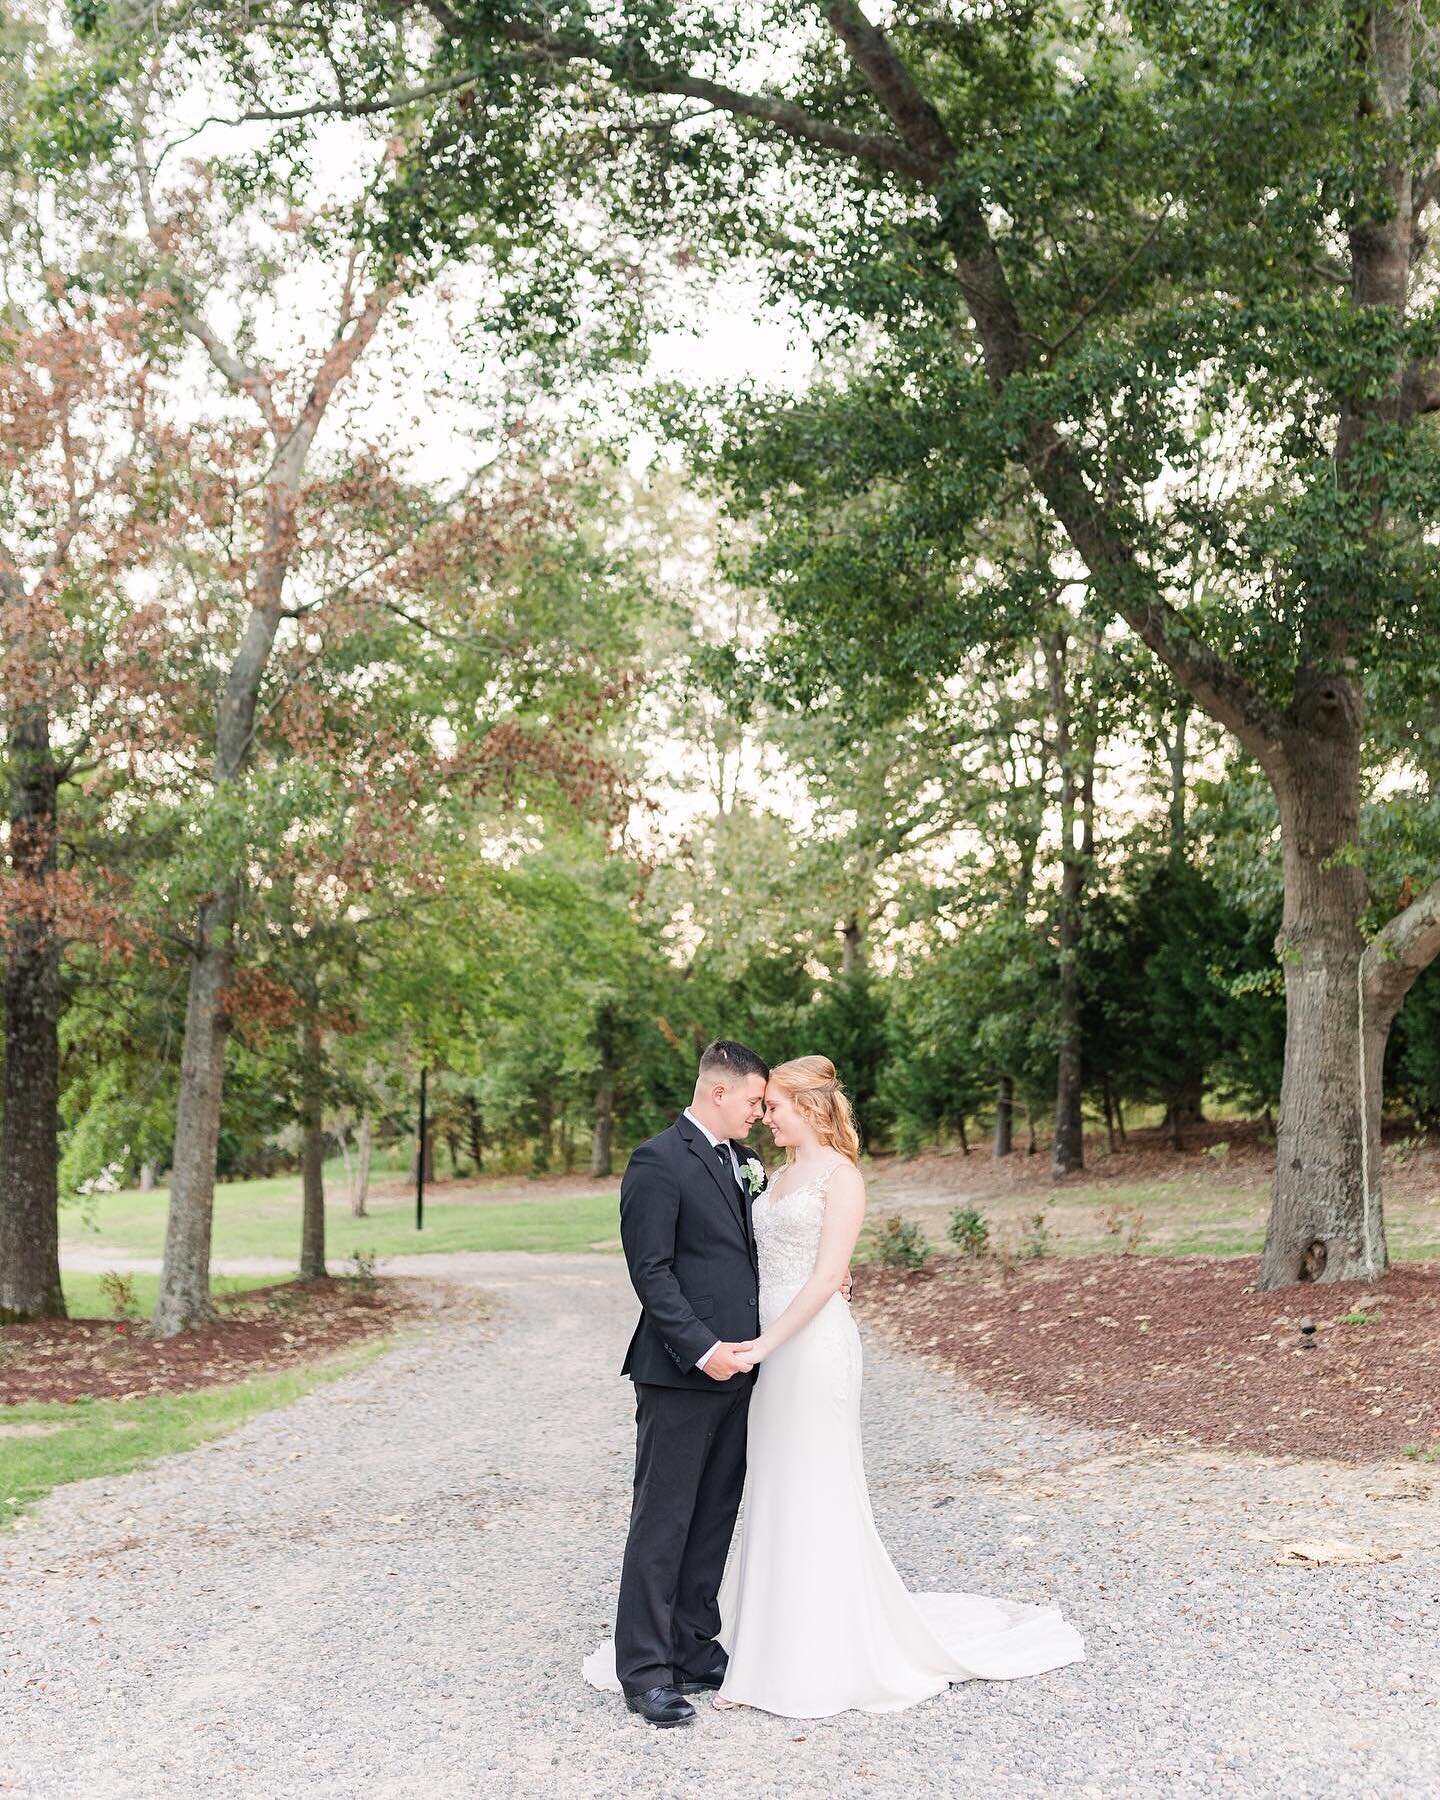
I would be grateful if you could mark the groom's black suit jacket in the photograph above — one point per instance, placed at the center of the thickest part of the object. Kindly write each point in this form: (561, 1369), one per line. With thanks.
(690, 1248)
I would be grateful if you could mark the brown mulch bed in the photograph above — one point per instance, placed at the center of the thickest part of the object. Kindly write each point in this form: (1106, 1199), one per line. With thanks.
(260, 1331)
(1183, 1348)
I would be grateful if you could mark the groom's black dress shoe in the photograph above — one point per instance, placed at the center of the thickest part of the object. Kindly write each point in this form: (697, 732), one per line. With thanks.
(701, 1684)
(661, 1706)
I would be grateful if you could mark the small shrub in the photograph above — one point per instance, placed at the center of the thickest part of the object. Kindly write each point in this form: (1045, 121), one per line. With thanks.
(1217, 1152)
(283, 1302)
(900, 1244)
(968, 1231)
(1035, 1240)
(119, 1292)
(1358, 1316)
(1126, 1224)
(1417, 1453)
(362, 1277)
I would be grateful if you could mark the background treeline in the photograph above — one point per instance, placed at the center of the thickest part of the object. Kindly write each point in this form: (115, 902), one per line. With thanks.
(573, 1031)
(1033, 702)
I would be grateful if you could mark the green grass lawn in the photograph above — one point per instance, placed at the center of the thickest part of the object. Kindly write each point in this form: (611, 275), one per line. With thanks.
(262, 1218)
(86, 1299)
(1201, 1215)
(43, 1446)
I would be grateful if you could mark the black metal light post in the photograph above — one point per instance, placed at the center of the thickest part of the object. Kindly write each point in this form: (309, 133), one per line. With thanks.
(420, 1160)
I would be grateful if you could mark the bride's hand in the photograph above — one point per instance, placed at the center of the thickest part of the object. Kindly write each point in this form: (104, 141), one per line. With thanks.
(754, 1352)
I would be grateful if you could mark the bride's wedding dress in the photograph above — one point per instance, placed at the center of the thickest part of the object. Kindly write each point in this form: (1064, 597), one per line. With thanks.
(815, 1618)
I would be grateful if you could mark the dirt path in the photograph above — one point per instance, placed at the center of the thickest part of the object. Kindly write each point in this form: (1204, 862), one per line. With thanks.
(386, 1590)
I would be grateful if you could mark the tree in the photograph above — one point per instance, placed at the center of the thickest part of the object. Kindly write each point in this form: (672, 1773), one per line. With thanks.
(1085, 267)
(85, 456)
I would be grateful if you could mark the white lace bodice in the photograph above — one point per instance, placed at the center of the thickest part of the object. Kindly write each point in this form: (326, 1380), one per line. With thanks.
(787, 1231)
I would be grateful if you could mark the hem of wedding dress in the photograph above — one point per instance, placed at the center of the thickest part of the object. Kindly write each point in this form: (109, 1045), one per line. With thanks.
(831, 1712)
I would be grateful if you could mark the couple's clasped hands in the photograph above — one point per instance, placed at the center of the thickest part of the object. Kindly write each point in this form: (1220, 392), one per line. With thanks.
(735, 1359)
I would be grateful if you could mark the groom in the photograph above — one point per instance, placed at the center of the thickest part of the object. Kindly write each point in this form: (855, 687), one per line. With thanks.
(685, 1224)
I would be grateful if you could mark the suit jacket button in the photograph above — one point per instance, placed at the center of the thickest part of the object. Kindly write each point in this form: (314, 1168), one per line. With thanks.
(752, 1300)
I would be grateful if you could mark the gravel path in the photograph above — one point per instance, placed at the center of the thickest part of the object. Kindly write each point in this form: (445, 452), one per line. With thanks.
(386, 1589)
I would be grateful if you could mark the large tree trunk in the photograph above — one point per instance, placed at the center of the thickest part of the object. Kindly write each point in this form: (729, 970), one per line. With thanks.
(29, 1132)
(312, 1203)
(1004, 1116)
(1320, 1227)
(184, 1297)
(476, 1125)
(852, 945)
(1326, 1223)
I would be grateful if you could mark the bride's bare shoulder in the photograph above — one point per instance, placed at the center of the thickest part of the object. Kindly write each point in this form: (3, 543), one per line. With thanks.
(845, 1182)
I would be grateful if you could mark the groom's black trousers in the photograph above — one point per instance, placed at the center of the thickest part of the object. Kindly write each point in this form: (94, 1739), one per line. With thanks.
(689, 1475)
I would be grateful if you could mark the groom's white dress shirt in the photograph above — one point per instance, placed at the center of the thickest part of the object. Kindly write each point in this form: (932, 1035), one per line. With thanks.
(714, 1142)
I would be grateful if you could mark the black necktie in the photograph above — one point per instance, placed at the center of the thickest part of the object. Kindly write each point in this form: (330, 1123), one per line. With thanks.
(727, 1162)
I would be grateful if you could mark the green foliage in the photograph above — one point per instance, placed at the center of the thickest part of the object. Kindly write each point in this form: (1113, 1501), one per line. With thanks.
(1182, 990)
(1036, 1241)
(975, 1008)
(900, 1244)
(119, 1292)
(1412, 1056)
(848, 1023)
(968, 1231)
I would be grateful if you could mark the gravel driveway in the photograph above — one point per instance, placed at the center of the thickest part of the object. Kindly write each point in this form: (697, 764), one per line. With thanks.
(386, 1589)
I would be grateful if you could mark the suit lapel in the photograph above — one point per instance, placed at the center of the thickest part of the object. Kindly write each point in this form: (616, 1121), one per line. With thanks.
(698, 1146)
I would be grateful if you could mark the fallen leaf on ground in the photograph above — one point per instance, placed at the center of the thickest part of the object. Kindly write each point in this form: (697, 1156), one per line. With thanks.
(1333, 1550)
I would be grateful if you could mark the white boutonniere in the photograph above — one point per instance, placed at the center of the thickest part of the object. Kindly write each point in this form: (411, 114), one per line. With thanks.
(753, 1175)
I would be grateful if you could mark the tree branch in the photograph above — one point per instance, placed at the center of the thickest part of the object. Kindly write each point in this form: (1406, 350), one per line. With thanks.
(631, 68)
(242, 376)
(921, 152)
(1050, 459)
(354, 109)
(1400, 953)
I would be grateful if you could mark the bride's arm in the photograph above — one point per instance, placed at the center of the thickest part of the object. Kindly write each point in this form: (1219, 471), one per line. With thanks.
(844, 1215)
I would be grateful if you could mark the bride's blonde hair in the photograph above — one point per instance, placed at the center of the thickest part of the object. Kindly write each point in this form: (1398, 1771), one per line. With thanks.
(811, 1082)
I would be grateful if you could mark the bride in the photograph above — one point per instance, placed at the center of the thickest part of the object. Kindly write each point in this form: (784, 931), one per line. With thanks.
(815, 1618)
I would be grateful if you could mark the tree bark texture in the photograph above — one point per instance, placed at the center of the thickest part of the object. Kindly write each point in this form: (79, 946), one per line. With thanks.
(184, 1297)
(1319, 1228)
(29, 1132)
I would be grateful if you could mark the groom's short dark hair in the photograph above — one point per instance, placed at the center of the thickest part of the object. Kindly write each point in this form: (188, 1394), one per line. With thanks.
(733, 1058)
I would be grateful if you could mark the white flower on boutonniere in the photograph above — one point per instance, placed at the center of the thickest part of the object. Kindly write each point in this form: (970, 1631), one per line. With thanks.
(752, 1174)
